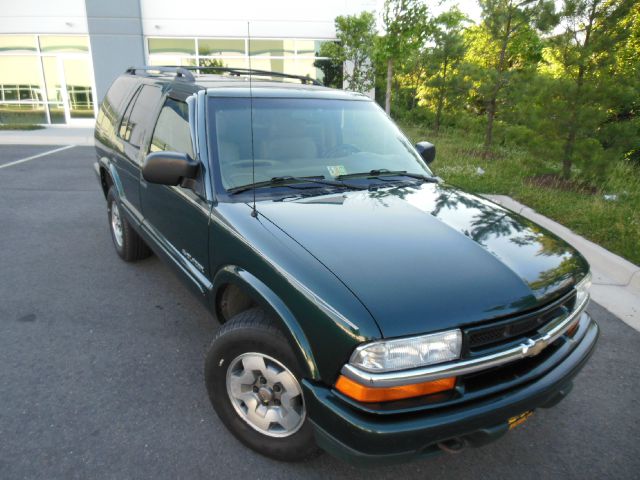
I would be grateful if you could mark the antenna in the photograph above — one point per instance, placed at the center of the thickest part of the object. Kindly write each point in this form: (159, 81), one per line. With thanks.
(254, 212)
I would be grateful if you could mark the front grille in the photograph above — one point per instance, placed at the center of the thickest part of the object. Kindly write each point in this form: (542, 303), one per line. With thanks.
(514, 328)
(507, 374)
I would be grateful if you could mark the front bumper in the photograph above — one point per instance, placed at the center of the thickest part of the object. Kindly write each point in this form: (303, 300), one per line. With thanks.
(366, 438)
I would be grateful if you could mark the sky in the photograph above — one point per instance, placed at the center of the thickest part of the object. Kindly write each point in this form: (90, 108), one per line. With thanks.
(469, 7)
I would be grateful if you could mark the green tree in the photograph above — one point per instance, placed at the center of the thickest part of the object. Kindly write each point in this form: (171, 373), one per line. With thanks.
(332, 68)
(356, 37)
(586, 51)
(508, 26)
(625, 130)
(441, 59)
(406, 28)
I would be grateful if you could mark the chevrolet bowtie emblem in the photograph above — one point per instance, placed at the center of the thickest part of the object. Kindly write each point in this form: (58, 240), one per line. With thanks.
(531, 348)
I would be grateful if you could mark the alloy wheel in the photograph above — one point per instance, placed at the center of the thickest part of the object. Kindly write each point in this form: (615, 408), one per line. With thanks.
(265, 394)
(116, 224)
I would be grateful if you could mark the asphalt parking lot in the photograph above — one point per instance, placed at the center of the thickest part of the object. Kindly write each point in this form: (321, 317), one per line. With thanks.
(101, 363)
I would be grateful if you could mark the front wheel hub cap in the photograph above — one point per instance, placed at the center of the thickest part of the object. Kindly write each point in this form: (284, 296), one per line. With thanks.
(275, 412)
(265, 394)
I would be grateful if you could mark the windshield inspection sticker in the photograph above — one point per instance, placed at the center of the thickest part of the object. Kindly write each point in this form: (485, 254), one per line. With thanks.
(336, 170)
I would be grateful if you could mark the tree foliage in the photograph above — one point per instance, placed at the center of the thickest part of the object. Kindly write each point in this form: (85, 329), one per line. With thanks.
(510, 28)
(405, 23)
(564, 84)
(442, 84)
(585, 52)
(356, 36)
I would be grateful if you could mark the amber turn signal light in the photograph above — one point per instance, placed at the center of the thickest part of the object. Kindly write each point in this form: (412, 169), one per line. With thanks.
(571, 331)
(362, 393)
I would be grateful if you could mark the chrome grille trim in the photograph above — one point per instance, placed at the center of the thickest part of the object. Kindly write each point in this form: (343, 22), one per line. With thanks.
(530, 347)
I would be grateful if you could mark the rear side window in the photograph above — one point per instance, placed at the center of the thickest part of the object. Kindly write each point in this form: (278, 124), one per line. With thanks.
(172, 129)
(138, 114)
(113, 104)
(124, 132)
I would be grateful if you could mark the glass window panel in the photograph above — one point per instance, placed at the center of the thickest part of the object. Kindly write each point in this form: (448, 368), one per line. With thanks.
(52, 79)
(295, 136)
(138, 121)
(235, 62)
(54, 89)
(124, 131)
(21, 98)
(309, 48)
(275, 48)
(224, 62)
(17, 43)
(172, 60)
(172, 46)
(270, 64)
(172, 129)
(77, 76)
(56, 113)
(64, 43)
(23, 113)
(210, 62)
(20, 79)
(305, 68)
(113, 106)
(214, 47)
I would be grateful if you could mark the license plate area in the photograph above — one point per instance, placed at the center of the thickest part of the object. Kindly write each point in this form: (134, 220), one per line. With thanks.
(519, 419)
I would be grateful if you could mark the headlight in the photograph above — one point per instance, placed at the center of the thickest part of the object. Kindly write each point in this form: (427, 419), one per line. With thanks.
(582, 289)
(405, 353)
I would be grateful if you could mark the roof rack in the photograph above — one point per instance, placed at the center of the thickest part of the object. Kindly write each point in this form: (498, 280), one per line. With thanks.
(184, 72)
(180, 72)
(260, 73)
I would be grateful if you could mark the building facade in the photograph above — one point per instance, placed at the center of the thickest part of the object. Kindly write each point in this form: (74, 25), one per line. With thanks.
(57, 59)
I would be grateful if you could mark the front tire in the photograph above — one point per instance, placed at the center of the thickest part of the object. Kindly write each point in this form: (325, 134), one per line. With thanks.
(252, 377)
(126, 241)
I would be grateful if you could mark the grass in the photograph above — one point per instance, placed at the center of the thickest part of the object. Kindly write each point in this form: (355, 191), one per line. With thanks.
(615, 225)
(20, 126)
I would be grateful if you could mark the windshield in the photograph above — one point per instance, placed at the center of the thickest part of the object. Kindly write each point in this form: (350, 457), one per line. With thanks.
(304, 138)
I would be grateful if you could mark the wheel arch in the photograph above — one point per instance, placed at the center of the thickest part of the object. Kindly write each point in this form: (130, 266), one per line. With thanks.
(109, 177)
(261, 295)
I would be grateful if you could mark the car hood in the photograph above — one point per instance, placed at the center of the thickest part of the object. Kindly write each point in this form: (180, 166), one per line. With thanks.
(430, 257)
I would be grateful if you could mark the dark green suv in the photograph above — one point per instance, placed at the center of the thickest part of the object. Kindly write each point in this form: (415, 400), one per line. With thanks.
(367, 307)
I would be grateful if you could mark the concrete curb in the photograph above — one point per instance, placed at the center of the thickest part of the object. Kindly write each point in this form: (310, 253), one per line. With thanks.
(616, 281)
(60, 135)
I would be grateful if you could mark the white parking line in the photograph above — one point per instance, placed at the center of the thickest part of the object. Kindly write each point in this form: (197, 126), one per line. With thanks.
(44, 154)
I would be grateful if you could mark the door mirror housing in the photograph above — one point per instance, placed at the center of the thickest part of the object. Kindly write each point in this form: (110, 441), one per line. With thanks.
(427, 151)
(169, 168)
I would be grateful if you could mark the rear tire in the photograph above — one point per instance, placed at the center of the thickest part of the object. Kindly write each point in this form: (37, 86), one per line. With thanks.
(126, 241)
(252, 377)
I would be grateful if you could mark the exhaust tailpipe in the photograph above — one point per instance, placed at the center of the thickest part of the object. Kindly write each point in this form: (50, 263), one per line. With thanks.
(453, 445)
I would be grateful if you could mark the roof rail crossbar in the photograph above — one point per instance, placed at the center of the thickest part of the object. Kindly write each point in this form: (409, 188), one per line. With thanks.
(180, 72)
(248, 71)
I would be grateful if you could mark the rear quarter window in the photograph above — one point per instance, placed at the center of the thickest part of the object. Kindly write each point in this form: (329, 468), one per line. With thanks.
(114, 103)
(138, 116)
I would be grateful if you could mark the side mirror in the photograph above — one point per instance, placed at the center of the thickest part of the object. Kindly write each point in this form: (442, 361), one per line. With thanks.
(168, 168)
(427, 151)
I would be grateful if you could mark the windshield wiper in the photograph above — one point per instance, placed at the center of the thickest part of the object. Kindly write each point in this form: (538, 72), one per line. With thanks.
(289, 181)
(384, 172)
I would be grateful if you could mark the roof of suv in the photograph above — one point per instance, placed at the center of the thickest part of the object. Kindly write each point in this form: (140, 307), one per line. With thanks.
(234, 85)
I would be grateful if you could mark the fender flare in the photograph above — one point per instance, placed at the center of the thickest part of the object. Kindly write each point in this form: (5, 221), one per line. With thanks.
(266, 298)
(110, 170)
